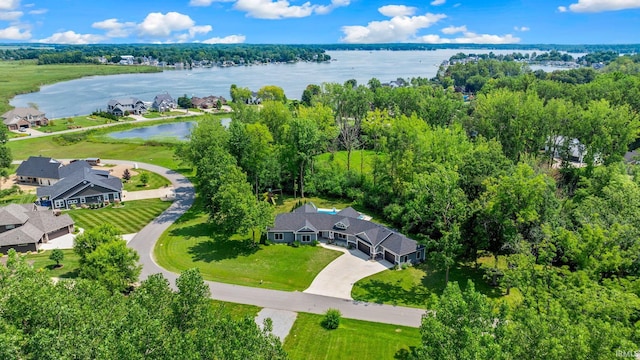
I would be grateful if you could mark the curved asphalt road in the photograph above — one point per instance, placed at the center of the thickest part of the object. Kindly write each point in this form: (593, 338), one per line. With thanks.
(145, 240)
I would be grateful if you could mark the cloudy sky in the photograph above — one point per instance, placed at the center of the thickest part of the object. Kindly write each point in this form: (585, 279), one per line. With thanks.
(320, 21)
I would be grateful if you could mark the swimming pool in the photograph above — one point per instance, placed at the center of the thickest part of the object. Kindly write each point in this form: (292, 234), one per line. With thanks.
(328, 211)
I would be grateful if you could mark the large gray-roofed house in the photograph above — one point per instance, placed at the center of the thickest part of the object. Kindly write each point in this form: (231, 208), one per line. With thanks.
(305, 224)
(123, 106)
(164, 102)
(24, 227)
(24, 118)
(83, 186)
(46, 171)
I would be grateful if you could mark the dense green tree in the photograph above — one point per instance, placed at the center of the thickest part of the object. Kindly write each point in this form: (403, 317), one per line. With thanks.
(184, 102)
(112, 264)
(57, 255)
(272, 93)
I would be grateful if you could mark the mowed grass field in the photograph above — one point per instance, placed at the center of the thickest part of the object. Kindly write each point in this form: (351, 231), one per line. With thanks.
(68, 270)
(20, 77)
(155, 181)
(353, 339)
(157, 154)
(130, 218)
(230, 258)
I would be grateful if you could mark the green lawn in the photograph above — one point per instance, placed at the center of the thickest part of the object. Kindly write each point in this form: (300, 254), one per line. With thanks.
(68, 270)
(193, 242)
(237, 311)
(414, 286)
(162, 155)
(155, 181)
(354, 339)
(130, 218)
(73, 123)
(24, 198)
(360, 160)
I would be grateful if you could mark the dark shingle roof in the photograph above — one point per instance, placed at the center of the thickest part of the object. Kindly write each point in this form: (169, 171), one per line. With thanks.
(349, 212)
(375, 234)
(86, 174)
(15, 115)
(400, 244)
(13, 215)
(41, 167)
(38, 222)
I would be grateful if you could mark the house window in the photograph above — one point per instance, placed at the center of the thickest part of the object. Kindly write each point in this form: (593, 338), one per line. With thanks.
(83, 200)
(404, 259)
(116, 196)
(418, 255)
(59, 203)
(306, 238)
(278, 236)
(74, 201)
(341, 236)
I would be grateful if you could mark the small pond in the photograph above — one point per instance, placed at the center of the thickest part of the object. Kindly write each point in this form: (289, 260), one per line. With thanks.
(179, 131)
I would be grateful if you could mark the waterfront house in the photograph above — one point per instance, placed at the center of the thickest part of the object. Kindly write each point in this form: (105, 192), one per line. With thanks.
(24, 227)
(164, 102)
(126, 106)
(24, 118)
(346, 227)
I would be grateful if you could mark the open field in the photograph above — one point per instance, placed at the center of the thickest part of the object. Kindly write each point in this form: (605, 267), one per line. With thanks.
(155, 181)
(414, 286)
(194, 242)
(68, 270)
(360, 160)
(237, 311)
(74, 123)
(354, 339)
(20, 77)
(130, 218)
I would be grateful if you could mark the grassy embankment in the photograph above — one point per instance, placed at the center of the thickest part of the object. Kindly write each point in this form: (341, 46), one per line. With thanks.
(155, 181)
(21, 77)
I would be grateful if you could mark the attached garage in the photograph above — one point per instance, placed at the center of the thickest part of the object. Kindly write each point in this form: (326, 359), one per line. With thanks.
(57, 233)
(364, 248)
(390, 257)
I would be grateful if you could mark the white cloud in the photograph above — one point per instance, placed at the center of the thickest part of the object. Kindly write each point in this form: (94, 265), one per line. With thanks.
(114, 28)
(267, 9)
(71, 37)
(231, 39)
(10, 15)
(521, 28)
(162, 25)
(601, 5)
(396, 29)
(454, 29)
(325, 9)
(38, 11)
(9, 4)
(200, 2)
(470, 38)
(397, 10)
(200, 29)
(438, 2)
(562, 8)
(15, 33)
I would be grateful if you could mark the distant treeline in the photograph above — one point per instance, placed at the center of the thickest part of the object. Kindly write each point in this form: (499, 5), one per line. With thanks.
(621, 48)
(58, 54)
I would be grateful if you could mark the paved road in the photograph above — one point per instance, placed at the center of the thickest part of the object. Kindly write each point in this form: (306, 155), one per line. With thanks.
(145, 240)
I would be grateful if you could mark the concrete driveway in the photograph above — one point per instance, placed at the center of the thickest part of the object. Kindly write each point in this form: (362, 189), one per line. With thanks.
(337, 278)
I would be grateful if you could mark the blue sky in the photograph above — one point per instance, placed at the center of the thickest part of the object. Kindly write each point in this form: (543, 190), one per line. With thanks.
(320, 21)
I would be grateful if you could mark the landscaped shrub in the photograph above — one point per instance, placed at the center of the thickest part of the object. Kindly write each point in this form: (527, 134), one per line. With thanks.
(295, 244)
(331, 319)
(315, 243)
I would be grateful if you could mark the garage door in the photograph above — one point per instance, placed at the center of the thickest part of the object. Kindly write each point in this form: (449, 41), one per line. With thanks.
(389, 257)
(58, 233)
(364, 248)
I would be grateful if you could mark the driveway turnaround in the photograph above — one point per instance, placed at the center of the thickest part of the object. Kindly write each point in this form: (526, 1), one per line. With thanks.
(337, 278)
(145, 240)
(281, 320)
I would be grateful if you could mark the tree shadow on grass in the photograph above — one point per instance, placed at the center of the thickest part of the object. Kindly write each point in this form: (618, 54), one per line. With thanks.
(432, 283)
(217, 247)
(382, 292)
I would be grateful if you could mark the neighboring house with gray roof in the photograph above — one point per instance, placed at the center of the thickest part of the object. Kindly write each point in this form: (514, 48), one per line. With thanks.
(82, 186)
(125, 106)
(164, 102)
(24, 118)
(305, 224)
(24, 227)
(40, 170)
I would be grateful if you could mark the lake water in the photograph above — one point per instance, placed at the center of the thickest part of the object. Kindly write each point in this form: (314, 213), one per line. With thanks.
(179, 130)
(83, 96)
